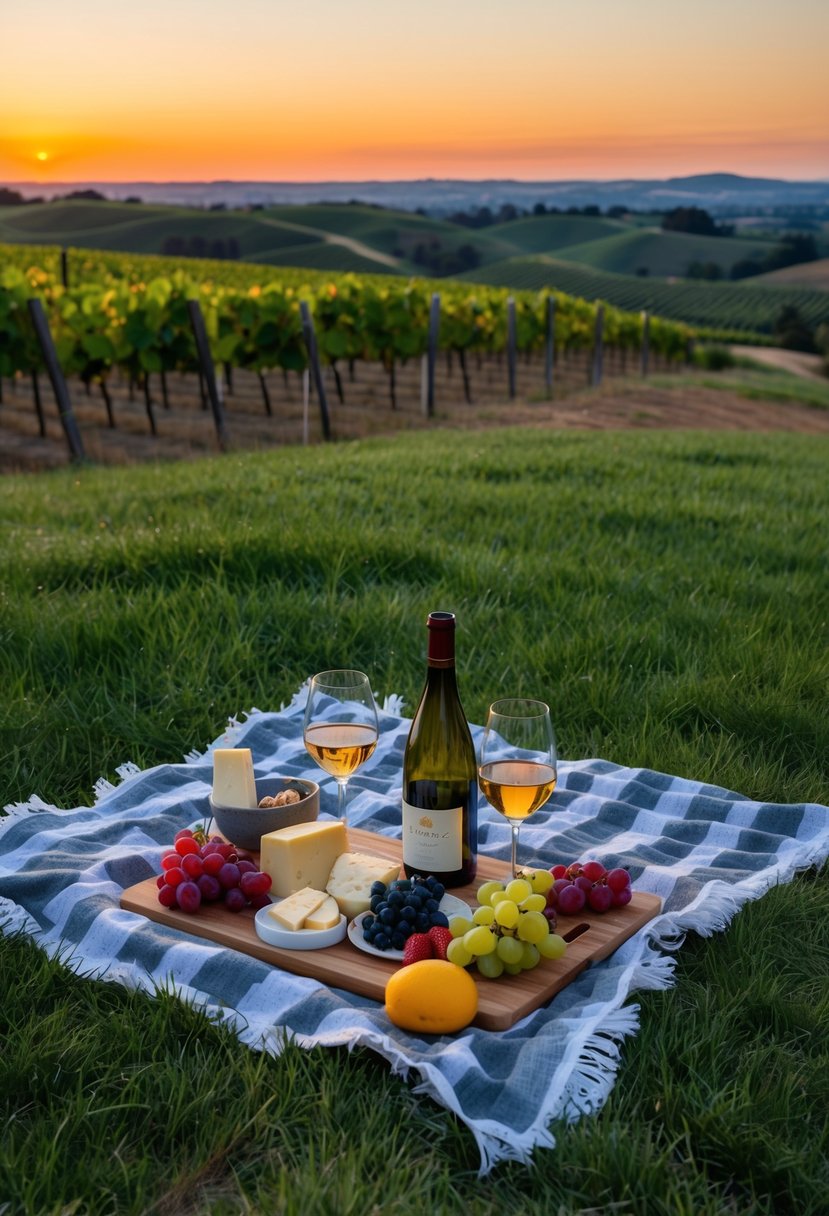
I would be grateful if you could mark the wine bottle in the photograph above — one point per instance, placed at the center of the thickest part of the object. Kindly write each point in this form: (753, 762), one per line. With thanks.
(440, 789)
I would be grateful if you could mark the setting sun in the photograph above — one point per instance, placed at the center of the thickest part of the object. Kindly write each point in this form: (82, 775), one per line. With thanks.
(41, 156)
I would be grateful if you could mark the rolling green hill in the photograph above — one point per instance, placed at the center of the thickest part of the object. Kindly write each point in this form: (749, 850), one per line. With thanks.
(337, 237)
(395, 233)
(134, 229)
(139, 229)
(807, 274)
(663, 254)
(544, 233)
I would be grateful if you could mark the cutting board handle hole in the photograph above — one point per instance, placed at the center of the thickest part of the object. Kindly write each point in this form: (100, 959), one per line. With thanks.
(576, 931)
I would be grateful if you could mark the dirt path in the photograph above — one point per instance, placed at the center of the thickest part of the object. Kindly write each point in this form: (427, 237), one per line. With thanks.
(794, 361)
(334, 238)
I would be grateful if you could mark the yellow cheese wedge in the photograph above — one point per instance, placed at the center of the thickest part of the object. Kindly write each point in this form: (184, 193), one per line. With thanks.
(351, 877)
(292, 913)
(326, 916)
(233, 781)
(302, 855)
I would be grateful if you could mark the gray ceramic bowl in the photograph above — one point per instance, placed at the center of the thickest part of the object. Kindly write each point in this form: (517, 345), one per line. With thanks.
(246, 826)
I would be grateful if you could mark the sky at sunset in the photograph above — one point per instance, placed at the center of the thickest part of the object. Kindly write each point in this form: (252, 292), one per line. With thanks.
(110, 90)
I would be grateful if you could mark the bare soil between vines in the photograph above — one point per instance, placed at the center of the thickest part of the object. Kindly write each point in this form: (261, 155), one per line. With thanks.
(185, 428)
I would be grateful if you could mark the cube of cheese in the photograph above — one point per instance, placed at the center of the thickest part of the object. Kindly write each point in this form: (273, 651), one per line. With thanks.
(326, 916)
(351, 878)
(292, 913)
(233, 781)
(302, 855)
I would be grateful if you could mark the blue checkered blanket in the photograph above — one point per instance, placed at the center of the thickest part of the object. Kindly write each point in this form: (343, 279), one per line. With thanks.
(704, 850)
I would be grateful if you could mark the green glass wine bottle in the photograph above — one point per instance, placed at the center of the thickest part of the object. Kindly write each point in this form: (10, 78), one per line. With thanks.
(440, 789)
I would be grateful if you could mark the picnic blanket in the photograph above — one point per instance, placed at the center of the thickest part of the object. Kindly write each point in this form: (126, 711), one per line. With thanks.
(704, 850)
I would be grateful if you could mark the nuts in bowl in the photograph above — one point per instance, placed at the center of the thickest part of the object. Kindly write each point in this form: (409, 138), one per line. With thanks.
(281, 802)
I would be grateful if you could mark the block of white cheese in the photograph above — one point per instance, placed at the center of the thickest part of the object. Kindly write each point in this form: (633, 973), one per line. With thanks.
(292, 913)
(326, 916)
(233, 781)
(351, 877)
(302, 855)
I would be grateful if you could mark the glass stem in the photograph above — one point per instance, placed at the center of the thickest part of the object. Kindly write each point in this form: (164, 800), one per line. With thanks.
(341, 794)
(515, 827)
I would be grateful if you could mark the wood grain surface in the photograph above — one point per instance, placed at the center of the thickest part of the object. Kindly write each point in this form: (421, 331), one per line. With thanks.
(591, 937)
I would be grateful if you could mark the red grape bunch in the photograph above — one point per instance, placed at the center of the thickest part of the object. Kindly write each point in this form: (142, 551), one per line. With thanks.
(198, 871)
(587, 884)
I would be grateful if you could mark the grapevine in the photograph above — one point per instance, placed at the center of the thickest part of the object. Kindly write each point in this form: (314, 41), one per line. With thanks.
(130, 312)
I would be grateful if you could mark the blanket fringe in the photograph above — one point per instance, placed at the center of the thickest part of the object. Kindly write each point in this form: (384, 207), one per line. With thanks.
(717, 903)
(19, 810)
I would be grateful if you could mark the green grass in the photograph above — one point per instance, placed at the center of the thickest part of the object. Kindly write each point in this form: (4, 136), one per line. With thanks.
(755, 382)
(666, 593)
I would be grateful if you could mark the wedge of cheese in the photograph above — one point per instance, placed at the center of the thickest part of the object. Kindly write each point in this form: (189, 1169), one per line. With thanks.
(326, 916)
(351, 877)
(233, 781)
(302, 855)
(292, 913)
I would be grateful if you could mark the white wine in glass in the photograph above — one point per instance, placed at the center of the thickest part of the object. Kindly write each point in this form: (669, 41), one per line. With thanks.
(518, 766)
(341, 729)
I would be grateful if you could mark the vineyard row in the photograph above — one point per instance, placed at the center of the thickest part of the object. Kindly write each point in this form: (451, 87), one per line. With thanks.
(738, 311)
(110, 317)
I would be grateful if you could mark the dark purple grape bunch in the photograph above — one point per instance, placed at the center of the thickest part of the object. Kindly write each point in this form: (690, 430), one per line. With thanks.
(588, 885)
(199, 871)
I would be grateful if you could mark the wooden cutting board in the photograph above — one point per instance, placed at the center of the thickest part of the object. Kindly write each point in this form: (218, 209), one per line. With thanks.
(501, 1002)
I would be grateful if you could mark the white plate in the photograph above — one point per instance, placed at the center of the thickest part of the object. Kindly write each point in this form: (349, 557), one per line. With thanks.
(296, 939)
(450, 905)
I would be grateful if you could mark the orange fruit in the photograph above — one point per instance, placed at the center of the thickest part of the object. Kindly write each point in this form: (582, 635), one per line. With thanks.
(432, 997)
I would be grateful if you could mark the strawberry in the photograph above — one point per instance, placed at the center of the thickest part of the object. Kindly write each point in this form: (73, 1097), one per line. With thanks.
(440, 938)
(418, 947)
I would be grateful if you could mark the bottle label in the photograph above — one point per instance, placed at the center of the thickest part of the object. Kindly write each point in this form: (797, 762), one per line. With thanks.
(432, 840)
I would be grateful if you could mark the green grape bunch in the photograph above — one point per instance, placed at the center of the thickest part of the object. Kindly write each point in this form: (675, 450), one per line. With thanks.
(510, 931)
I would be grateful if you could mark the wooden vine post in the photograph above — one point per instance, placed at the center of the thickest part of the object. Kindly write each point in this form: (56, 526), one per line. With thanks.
(550, 344)
(310, 337)
(208, 370)
(598, 348)
(644, 358)
(47, 349)
(432, 353)
(41, 417)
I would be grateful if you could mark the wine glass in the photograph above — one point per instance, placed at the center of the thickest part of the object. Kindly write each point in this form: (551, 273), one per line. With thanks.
(517, 770)
(340, 729)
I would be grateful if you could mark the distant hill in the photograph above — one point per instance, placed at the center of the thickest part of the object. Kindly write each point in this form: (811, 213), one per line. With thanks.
(807, 274)
(666, 254)
(719, 192)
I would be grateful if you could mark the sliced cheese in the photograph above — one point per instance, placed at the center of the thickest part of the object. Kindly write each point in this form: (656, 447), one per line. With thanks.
(302, 855)
(233, 781)
(351, 878)
(326, 916)
(292, 913)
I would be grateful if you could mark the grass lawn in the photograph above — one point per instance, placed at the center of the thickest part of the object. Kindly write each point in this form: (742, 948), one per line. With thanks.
(666, 592)
(755, 382)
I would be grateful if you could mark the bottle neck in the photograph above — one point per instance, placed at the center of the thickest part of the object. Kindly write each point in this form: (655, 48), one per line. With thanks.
(440, 651)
